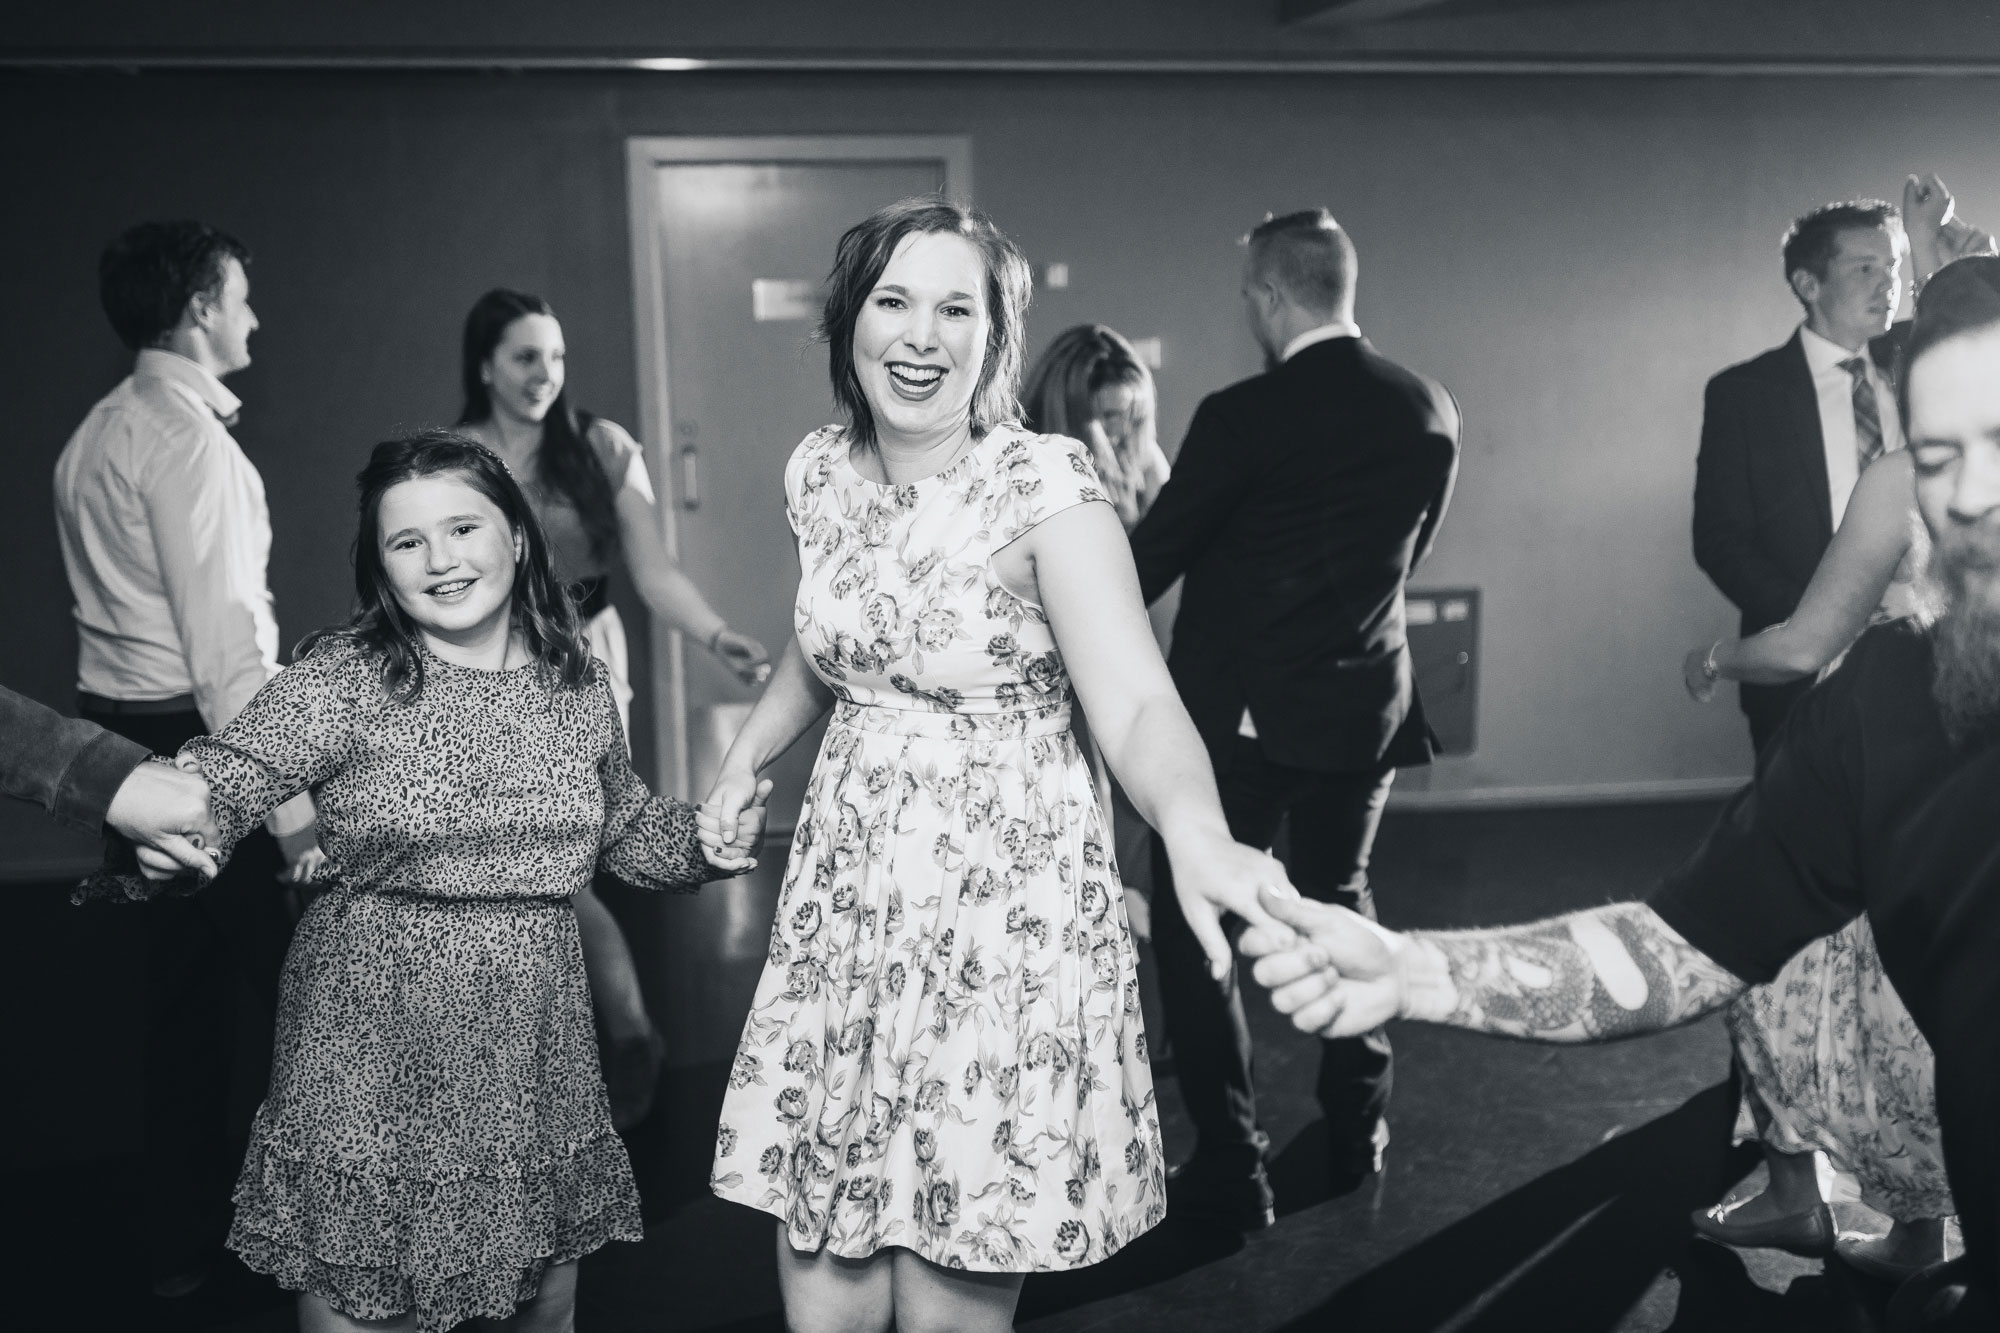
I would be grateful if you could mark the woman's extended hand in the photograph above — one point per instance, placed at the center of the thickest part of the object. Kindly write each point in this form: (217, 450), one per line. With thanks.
(1213, 875)
(743, 655)
(1694, 674)
(730, 822)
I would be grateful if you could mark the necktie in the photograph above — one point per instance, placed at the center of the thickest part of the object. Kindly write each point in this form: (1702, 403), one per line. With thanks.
(1867, 420)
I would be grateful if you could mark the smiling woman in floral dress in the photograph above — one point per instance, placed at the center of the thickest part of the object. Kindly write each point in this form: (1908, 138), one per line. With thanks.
(942, 1084)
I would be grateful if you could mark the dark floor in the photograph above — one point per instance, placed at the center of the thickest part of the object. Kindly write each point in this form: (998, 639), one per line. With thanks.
(1527, 1187)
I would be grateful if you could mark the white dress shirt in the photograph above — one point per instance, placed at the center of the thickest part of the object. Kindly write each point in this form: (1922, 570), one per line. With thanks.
(1835, 388)
(1324, 333)
(167, 538)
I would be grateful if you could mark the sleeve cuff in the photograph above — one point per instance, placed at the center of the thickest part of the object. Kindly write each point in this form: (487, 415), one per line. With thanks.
(93, 778)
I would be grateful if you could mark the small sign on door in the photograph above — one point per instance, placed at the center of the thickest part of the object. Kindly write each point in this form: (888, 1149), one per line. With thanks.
(783, 298)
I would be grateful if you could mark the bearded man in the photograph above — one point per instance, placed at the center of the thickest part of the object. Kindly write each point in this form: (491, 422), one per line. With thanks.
(1880, 793)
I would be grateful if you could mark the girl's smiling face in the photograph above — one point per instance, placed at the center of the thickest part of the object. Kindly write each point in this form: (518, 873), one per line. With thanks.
(450, 556)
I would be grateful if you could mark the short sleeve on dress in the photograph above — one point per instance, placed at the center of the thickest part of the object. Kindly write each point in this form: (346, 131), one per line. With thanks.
(1044, 475)
(806, 474)
(621, 457)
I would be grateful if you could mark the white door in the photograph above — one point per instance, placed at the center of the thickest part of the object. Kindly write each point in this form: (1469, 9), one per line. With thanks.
(732, 239)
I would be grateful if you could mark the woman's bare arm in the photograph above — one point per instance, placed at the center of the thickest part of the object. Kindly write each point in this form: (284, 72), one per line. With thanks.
(1874, 537)
(1078, 567)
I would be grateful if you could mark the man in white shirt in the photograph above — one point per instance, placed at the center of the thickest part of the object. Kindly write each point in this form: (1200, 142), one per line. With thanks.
(1784, 436)
(166, 537)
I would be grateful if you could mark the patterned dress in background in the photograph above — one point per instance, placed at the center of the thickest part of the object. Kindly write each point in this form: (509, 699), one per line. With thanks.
(1832, 1061)
(945, 1050)
(436, 1133)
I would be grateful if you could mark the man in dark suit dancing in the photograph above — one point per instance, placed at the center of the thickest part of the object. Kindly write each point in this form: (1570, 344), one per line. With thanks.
(1785, 436)
(1300, 503)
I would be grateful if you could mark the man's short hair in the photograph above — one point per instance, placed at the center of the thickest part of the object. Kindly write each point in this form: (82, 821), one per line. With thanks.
(1307, 256)
(147, 276)
(1811, 239)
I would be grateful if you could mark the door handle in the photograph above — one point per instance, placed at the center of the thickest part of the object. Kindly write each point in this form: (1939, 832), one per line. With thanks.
(690, 481)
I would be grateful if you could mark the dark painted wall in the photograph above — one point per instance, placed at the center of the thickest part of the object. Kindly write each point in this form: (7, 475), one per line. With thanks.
(1573, 255)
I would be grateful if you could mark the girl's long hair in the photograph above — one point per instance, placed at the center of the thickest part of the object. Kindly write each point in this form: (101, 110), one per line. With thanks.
(542, 611)
(566, 464)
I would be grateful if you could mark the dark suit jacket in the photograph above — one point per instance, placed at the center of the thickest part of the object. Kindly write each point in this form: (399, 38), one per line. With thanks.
(1300, 503)
(67, 766)
(1762, 515)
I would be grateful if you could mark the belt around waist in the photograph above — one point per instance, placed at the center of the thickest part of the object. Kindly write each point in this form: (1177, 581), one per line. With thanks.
(97, 703)
(1050, 719)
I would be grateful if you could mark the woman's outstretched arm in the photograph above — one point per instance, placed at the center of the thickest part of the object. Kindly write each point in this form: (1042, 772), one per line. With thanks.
(1085, 581)
(1875, 537)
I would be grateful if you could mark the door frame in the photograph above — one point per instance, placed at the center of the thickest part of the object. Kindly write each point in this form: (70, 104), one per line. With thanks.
(644, 154)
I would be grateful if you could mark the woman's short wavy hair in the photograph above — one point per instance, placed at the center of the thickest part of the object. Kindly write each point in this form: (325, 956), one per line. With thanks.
(864, 251)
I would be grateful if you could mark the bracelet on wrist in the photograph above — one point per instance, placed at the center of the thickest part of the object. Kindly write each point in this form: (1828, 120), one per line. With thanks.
(716, 637)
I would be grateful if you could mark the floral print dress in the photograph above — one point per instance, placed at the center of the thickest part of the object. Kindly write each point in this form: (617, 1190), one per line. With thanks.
(1833, 1061)
(945, 1050)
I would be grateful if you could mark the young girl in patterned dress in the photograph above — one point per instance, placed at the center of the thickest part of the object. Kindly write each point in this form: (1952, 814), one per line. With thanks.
(436, 1144)
(942, 1084)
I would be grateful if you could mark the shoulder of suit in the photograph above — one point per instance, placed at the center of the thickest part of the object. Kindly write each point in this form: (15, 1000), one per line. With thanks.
(1786, 358)
(1244, 390)
(1889, 346)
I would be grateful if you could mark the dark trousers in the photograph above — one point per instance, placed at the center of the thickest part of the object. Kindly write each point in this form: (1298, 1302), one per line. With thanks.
(1333, 818)
(211, 995)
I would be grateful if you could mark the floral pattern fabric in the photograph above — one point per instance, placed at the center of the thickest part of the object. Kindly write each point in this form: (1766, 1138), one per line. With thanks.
(945, 1051)
(1833, 1061)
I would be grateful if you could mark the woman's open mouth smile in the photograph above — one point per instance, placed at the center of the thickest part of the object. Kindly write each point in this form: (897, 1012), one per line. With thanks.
(914, 382)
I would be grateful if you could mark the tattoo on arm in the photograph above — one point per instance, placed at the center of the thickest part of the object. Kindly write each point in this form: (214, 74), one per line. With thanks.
(1610, 972)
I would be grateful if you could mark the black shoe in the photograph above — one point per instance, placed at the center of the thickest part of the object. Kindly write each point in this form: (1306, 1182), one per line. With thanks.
(1351, 1163)
(1204, 1187)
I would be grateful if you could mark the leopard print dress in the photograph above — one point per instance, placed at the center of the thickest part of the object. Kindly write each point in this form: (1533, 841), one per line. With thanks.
(436, 1133)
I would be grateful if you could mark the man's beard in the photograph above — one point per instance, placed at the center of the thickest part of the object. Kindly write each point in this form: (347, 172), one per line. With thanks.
(1965, 678)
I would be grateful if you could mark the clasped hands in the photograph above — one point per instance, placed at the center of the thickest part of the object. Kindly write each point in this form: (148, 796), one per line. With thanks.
(162, 808)
(163, 811)
(730, 823)
(1333, 971)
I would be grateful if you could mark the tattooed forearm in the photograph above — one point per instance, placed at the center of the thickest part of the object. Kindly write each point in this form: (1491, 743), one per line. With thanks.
(1610, 972)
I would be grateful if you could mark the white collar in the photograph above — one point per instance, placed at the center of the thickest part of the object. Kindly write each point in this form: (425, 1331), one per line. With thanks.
(1824, 356)
(161, 364)
(1324, 333)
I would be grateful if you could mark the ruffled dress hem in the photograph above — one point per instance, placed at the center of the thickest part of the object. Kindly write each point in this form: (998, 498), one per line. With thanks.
(376, 1246)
